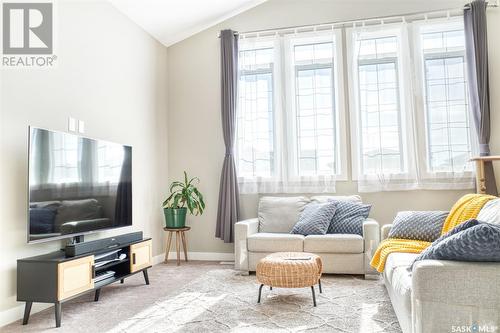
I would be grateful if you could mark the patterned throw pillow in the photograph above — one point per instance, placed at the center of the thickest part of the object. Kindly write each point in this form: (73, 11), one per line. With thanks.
(462, 226)
(474, 242)
(315, 219)
(349, 218)
(424, 226)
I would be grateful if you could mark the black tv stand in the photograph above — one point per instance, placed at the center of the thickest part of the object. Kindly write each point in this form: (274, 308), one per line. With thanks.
(57, 278)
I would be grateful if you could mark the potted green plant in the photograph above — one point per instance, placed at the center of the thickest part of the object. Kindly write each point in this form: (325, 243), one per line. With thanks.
(183, 196)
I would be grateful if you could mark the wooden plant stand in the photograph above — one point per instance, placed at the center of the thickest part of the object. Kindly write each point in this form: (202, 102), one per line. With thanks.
(180, 237)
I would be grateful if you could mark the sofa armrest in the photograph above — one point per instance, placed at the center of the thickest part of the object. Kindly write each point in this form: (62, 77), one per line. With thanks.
(371, 238)
(242, 230)
(384, 231)
(454, 293)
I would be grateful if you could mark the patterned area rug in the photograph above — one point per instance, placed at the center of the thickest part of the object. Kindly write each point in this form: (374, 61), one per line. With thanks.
(209, 297)
(223, 301)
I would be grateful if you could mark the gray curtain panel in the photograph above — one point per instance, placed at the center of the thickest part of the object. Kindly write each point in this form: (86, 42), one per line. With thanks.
(228, 209)
(477, 70)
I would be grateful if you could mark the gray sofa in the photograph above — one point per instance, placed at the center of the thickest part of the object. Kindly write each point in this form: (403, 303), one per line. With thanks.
(442, 296)
(70, 216)
(270, 232)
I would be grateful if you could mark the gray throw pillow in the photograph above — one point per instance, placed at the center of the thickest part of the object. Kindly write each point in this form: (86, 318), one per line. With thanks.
(349, 217)
(462, 226)
(315, 219)
(473, 242)
(418, 225)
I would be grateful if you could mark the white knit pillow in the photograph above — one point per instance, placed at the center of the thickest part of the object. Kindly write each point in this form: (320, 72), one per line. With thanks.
(490, 212)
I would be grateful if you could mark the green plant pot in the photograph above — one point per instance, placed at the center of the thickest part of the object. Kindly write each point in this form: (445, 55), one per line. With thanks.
(175, 217)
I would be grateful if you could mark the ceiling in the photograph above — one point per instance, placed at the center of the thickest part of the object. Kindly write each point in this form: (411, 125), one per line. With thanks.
(171, 21)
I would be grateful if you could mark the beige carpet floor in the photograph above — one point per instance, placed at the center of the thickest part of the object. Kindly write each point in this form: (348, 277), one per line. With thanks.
(210, 297)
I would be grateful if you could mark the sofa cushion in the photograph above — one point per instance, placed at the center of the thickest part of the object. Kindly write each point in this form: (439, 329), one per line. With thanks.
(418, 225)
(398, 280)
(280, 214)
(490, 212)
(315, 219)
(349, 218)
(325, 198)
(275, 242)
(397, 261)
(334, 243)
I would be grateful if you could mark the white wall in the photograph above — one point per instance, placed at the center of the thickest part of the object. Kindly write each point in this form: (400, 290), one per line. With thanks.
(112, 75)
(195, 135)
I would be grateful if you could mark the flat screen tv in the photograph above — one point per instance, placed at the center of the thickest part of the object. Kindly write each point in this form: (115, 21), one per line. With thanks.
(77, 185)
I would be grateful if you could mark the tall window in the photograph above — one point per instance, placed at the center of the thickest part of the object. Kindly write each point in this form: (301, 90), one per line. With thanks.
(409, 104)
(447, 118)
(316, 124)
(288, 113)
(255, 116)
(408, 108)
(379, 105)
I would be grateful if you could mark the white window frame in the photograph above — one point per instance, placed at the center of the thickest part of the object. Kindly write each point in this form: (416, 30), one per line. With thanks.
(388, 30)
(275, 71)
(284, 116)
(421, 115)
(339, 106)
(412, 118)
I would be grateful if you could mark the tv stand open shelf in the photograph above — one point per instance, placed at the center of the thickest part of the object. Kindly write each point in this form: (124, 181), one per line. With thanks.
(57, 278)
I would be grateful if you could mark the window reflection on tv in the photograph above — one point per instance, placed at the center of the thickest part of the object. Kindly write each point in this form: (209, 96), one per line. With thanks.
(77, 185)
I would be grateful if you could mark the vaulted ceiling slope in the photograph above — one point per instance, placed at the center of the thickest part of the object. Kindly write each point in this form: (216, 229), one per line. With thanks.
(171, 21)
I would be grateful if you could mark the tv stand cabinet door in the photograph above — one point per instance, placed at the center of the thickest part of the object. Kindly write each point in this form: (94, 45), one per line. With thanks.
(140, 255)
(75, 277)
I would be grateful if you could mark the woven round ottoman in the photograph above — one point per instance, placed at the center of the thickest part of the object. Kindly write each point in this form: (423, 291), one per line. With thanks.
(290, 270)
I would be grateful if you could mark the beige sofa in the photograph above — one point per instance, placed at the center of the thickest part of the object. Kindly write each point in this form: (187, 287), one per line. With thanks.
(441, 295)
(270, 232)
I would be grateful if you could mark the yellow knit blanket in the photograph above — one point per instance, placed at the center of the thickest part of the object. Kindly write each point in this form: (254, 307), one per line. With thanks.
(466, 208)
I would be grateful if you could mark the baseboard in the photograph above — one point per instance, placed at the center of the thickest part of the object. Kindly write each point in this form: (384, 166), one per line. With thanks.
(204, 256)
(16, 313)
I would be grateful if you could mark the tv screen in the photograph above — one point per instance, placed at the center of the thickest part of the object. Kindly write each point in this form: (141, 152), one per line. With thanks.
(77, 185)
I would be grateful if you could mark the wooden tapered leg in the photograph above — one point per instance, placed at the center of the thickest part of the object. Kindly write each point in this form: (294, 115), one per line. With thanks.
(96, 296)
(146, 277)
(184, 245)
(178, 248)
(169, 242)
